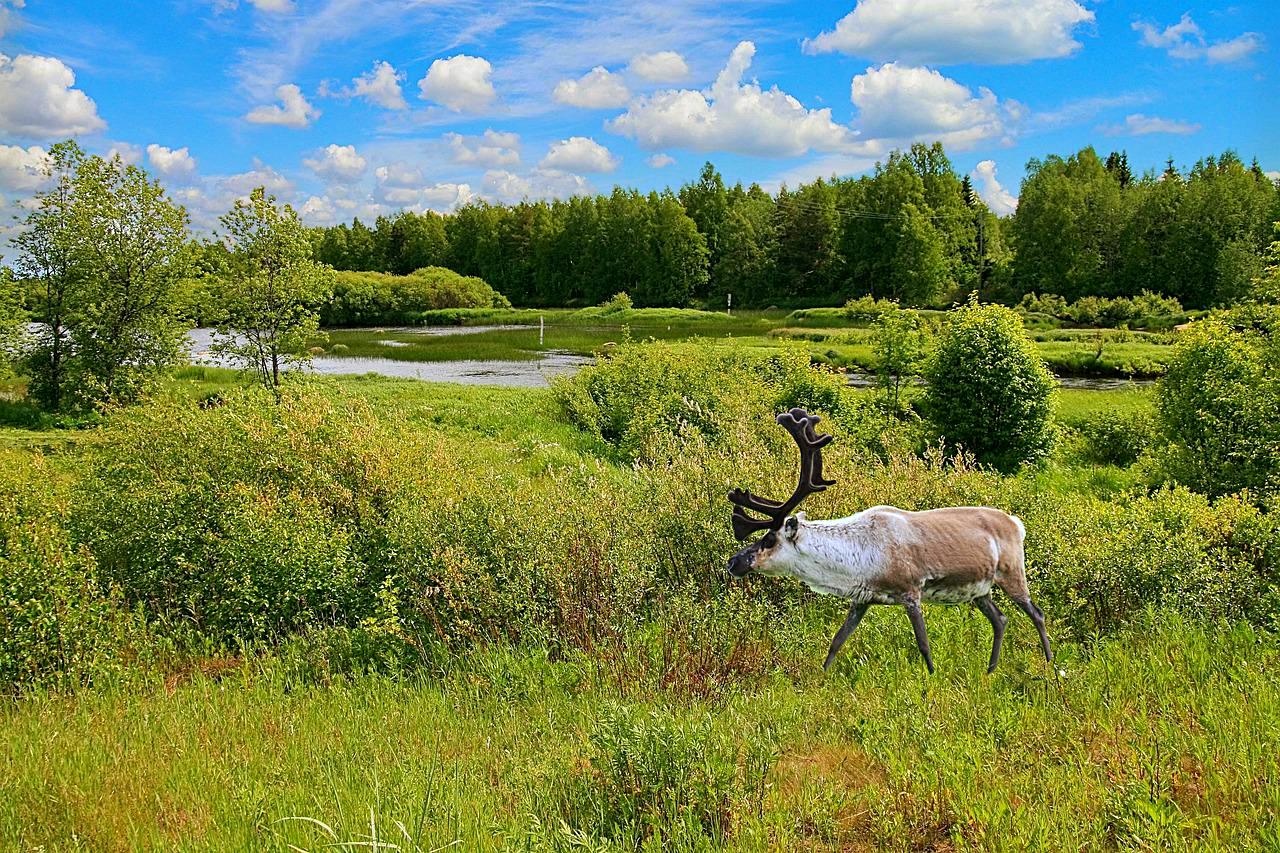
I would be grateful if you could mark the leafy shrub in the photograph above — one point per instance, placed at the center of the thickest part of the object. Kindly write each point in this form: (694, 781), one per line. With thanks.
(1101, 563)
(57, 627)
(653, 776)
(1115, 438)
(641, 393)
(866, 309)
(365, 298)
(1219, 404)
(1147, 310)
(989, 392)
(619, 302)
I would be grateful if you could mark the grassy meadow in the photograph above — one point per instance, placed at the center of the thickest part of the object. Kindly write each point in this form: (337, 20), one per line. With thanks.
(829, 336)
(385, 614)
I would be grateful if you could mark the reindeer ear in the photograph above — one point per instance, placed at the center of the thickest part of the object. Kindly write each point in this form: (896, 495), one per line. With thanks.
(791, 526)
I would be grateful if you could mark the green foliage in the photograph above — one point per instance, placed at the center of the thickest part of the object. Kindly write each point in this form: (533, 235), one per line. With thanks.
(640, 395)
(864, 309)
(372, 298)
(1219, 404)
(1115, 437)
(618, 302)
(989, 392)
(58, 627)
(657, 777)
(267, 287)
(1147, 310)
(108, 252)
(899, 344)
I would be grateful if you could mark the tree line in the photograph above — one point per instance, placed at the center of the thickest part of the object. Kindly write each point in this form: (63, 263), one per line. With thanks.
(913, 230)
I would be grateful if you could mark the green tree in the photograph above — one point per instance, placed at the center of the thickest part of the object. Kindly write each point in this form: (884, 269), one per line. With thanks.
(109, 252)
(49, 255)
(920, 270)
(989, 392)
(898, 345)
(12, 318)
(269, 288)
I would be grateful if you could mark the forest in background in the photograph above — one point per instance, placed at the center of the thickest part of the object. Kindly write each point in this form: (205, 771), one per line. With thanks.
(913, 230)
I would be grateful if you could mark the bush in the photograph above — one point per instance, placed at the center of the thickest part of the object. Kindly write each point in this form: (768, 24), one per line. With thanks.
(867, 309)
(989, 392)
(619, 302)
(58, 628)
(1147, 310)
(641, 394)
(373, 298)
(1219, 404)
(1115, 438)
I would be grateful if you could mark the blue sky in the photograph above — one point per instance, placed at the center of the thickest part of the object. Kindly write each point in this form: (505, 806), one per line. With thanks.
(359, 107)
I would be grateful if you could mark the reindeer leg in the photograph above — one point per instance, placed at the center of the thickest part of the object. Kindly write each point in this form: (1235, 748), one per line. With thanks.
(856, 612)
(916, 615)
(1037, 616)
(998, 620)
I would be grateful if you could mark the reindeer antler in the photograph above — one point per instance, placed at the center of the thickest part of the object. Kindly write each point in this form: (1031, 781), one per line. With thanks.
(799, 424)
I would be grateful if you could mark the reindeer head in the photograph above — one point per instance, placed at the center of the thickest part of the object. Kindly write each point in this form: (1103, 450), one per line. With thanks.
(781, 527)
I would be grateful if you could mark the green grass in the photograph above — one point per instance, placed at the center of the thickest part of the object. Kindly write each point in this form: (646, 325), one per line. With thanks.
(1143, 743)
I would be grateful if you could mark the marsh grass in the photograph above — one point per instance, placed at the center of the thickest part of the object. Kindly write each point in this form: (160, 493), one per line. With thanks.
(1144, 742)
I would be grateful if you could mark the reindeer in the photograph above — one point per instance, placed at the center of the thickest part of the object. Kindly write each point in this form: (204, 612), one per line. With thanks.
(884, 555)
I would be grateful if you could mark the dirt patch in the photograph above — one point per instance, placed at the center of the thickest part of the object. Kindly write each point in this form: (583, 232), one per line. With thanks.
(842, 765)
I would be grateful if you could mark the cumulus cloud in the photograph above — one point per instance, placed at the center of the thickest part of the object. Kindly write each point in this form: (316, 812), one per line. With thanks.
(339, 164)
(292, 111)
(398, 175)
(732, 116)
(665, 66)
(998, 199)
(440, 197)
(276, 6)
(1185, 40)
(579, 154)
(38, 99)
(597, 89)
(176, 164)
(127, 152)
(1138, 124)
(509, 188)
(318, 210)
(948, 32)
(380, 86)
(261, 175)
(22, 169)
(492, 148)
(903, 103)
(660, 161)
(462, 83)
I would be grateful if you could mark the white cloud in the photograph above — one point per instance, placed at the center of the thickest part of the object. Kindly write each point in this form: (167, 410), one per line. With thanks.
(337, 163)
(948, 32)
(1185, 40)
(38, 99)
(440, 197)
(492, 148)
(398, 175)
(293, 111)
(998, 199)
(7, 16)
(128, 153)
(276, 6)
(665, 66)
(380, 86)
(597, 89)
(579, 154)
(1138, 124)
(261, 175)
(902, 104)
(22, 169)
(318, 210)
(176, 164)
(1274, 176)
(462, 83)
(509, 188)
(660, 161)
(732, 116)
